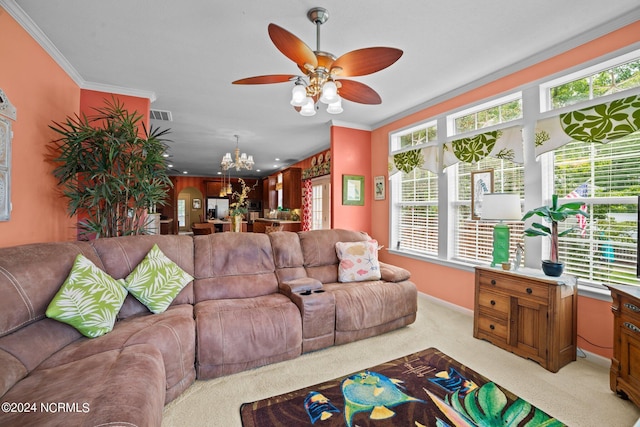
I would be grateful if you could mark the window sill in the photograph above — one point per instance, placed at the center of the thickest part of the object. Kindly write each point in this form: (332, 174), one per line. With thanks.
(588, 290)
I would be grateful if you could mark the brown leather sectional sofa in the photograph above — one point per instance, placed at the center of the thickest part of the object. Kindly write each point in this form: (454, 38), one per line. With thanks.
(255, 299)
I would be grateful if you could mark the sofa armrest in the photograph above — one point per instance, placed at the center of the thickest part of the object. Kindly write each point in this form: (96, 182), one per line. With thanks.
(299, 285)
(391, 273)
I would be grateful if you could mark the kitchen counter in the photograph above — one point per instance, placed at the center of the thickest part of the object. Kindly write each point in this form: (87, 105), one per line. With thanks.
(278, 221)
(260, 224)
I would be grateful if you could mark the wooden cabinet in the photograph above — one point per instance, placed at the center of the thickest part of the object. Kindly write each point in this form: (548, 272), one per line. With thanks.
(527, 313)
(292, 188)
(624, 377)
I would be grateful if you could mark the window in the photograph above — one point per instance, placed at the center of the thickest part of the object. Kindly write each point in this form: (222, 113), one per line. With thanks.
(474, 239)
(604, 79)
(316, 210)
(607, 178)
(500, 111)
(415, 197)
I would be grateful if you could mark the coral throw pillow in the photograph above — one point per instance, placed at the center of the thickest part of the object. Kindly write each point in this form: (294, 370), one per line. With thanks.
(89, 299)
(156, 281)
(358, 261)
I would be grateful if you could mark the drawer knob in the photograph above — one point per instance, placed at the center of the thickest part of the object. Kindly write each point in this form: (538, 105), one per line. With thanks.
(631, 327)
(493, 281)
(632, 307)
(492, 327)
(529, 290)
(493, 302)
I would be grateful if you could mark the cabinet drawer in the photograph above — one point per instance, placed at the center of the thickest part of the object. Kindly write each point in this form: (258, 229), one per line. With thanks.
(498, 304)
(494, 327)
(516, 287)
(630, 309)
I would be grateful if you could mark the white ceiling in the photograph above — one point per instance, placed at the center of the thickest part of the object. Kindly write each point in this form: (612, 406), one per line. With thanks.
(188, 52)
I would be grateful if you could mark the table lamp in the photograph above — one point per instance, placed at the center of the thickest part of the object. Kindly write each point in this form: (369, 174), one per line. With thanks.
(501, 207)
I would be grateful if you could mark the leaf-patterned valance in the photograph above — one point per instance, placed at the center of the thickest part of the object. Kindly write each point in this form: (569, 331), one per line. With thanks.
(423, 158)
(501, 144)
(599, 123)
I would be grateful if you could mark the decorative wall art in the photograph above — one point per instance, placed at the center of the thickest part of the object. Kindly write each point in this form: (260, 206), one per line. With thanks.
(353, 190)
(7, 114)
(197, 203)
(378, 188)
(481, 183)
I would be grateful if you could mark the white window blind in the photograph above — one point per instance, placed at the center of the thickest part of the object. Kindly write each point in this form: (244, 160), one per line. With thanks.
(606, 177)
(474, 238)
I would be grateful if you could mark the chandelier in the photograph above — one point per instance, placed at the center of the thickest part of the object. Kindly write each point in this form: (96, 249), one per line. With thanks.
(319, 87)
(241, 161)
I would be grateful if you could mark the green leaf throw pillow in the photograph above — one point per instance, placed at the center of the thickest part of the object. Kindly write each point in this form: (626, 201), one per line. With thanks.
(156, 281)
(89, 299)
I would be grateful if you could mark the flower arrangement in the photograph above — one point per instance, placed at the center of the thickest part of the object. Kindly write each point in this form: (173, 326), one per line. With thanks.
(239, 198)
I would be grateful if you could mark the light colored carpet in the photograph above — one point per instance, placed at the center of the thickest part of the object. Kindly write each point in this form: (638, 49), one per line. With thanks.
(577, 395)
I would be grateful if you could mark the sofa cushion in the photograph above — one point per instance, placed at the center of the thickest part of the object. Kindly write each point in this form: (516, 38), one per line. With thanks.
(171, 332)
(358, 261)
(120, 255)
(370, 308)
(238, 334)
(30, 276)
(233, 265)
(156, 281)
(123, 387)
(319, 251)
(88, 300)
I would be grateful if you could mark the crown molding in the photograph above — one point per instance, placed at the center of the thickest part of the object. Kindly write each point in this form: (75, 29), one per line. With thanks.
(343, 124)
(40, 37)
(564, 46)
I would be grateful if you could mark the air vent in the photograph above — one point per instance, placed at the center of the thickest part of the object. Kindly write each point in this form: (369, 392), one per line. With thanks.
(161, 115)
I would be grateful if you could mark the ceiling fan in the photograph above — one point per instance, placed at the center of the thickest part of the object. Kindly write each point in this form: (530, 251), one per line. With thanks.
(322, 71)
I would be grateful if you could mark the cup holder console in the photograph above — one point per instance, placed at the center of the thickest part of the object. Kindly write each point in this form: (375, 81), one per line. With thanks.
(317, 291)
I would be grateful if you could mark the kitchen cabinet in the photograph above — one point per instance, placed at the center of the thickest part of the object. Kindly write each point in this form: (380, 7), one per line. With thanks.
(292, 188)
(527, 313)
(624, 376)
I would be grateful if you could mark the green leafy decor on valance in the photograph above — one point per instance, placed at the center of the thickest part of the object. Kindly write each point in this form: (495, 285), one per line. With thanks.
(599, 123)
(501, 144)
(423, 158)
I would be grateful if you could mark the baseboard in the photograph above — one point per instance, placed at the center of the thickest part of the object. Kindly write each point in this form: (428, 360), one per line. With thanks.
(594, 358)
(447, 304)
(582, 354)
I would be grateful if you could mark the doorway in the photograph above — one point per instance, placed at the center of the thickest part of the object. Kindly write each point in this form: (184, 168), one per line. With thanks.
(321, 203)
(190, 208)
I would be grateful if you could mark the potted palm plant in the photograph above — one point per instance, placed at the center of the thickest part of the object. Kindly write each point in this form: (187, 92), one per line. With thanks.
(111, 171)
(553, 215)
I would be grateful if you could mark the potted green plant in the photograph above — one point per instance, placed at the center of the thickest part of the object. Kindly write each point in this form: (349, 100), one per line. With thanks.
(111, 171)
(553, 215)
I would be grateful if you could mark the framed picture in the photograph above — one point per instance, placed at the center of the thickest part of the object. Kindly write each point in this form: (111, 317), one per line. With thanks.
(378, 188)
(353, 190)
(481, 183)
(197, 203)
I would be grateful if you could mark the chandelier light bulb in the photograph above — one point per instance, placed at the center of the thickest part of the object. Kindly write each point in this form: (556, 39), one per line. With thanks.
(298, 95)
(309, 108)
(329, 93)
(335, 107)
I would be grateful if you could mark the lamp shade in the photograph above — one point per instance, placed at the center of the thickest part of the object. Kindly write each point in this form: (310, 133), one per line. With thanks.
(501, 206)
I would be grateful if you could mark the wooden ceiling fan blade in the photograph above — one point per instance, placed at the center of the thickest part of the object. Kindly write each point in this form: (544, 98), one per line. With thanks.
(263, 80)
(354, 91)
(365, 61)
(292, 47)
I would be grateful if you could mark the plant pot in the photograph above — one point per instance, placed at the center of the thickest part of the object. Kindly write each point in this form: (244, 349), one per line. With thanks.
(553, 269)
(236, 223)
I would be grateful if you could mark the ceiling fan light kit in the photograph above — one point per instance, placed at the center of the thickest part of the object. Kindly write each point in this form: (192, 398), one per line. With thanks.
(320, 82)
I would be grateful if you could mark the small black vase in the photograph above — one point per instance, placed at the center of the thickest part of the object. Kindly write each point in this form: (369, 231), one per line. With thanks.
(553, 269)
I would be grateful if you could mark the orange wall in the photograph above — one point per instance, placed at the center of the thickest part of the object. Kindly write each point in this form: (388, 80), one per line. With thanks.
(595, 320)
(41, 92)
(350, 154)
